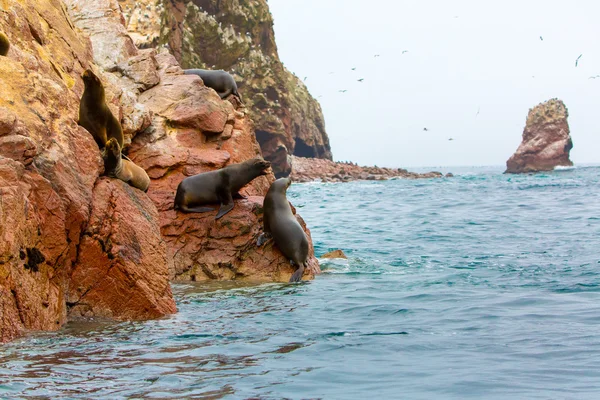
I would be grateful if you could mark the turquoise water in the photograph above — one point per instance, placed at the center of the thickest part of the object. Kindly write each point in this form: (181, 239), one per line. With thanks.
(480, 286)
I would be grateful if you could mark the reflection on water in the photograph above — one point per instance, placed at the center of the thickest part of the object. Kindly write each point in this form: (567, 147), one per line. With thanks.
(482, 286)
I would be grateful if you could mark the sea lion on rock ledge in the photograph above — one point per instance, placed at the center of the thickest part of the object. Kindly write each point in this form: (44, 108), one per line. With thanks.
(4, 44)
(220, 186)
(94, 114)
(116, 167)
(280, 223)
(221, 81)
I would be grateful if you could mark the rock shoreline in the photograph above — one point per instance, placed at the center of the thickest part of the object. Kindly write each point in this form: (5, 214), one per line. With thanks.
(314, 169)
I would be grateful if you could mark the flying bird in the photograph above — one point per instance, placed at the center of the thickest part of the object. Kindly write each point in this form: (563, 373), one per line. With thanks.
(541, 38)
(354, 69)
(425, 129)
(361, 79)
(595, 77)
(376, 55)
(404, 51)
(450, 139)
(479, 109)
(305, 78)
(343, 91)
(577, 61)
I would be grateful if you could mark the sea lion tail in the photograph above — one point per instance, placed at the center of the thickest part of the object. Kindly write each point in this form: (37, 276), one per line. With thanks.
(237, 94)
(179, 199)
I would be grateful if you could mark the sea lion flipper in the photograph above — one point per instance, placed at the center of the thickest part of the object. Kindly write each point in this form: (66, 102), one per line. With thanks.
(187, 209)
(297, 276)
(226, 202)
(263, 238)
(224, 209)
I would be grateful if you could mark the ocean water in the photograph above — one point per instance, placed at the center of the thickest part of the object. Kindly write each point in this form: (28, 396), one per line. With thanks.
(483, 286)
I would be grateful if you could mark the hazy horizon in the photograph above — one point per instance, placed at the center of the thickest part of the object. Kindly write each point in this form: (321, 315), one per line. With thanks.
(471, 73)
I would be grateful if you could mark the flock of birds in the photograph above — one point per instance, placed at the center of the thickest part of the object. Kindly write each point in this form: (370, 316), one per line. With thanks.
(478, 110)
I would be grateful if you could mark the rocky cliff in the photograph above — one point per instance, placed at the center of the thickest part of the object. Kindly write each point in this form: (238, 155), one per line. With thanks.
(75, 244)
(546, 140)
(238, 37)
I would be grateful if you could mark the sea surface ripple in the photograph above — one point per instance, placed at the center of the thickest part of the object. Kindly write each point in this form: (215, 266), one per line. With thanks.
(480, 286)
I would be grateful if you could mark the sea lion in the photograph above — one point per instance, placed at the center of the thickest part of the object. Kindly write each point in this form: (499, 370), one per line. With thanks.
(221, 81)
(116, 167)
(280, 223)
(220, 186)
(4, 44)
(94, 114)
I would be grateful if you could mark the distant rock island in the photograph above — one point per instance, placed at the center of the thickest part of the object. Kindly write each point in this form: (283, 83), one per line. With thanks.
(546, 140)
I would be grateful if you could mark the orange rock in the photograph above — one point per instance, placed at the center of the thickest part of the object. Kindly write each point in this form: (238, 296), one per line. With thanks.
(335, 254)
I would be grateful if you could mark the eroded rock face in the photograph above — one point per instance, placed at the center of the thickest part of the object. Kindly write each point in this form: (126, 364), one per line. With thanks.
(311, 169)
(546, 140)
(238, 37)
(49, 168)
(121, 241)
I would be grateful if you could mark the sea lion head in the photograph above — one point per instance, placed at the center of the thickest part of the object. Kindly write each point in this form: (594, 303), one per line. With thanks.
(90, 79)
(260, 165)
(281, 184)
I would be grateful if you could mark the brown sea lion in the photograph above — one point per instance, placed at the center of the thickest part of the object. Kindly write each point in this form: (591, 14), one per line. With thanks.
(280, 223)
(221, 81)
(4, 44)
(116, 167)
(220, 186)
(94, 114)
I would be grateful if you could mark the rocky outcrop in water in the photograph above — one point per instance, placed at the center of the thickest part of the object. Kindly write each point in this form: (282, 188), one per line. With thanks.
(238, 37)
(546, 140)
(74, 244)
(311, 169)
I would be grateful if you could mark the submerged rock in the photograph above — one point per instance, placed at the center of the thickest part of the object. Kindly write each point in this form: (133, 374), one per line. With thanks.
(546, 140)
(335, 254)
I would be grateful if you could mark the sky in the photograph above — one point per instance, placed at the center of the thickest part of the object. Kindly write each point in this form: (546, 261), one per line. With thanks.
(471, 71)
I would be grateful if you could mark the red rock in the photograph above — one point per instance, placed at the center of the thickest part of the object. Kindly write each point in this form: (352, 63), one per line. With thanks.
(122, 271)
(546, 140)
(185, 102)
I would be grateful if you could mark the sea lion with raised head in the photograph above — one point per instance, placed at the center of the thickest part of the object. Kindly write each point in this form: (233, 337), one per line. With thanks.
(94, 114)
(127, 171)
(280, 223)
(220, 186)
(4, 44)
(221, 81)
